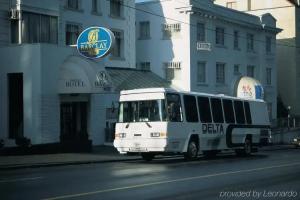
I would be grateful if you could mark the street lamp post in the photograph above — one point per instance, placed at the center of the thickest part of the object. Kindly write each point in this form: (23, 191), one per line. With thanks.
(289, 109)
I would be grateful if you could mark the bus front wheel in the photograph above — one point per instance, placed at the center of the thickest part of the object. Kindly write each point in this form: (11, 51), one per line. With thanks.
(192, 151)
(147, 156)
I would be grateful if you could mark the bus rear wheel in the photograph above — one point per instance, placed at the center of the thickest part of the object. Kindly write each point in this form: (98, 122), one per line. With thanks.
(246, 151)
(192, 151)
(147, 156)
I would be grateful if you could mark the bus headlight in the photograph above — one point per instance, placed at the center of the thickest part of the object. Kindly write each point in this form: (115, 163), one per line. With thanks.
(120, 135)
(158, 134)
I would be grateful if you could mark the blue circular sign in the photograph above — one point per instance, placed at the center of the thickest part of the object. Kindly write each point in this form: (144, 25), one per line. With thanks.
(95, 42)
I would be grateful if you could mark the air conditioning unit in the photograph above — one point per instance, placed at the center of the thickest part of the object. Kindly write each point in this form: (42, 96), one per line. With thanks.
(14, 14)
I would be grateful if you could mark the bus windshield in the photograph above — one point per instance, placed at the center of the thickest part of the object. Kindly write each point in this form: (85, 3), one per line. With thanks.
(142, 111)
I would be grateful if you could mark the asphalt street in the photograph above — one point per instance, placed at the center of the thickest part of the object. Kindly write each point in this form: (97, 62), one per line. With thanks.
(264, 175)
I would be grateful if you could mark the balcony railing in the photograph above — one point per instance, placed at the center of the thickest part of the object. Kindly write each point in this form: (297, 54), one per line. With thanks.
(203, 46)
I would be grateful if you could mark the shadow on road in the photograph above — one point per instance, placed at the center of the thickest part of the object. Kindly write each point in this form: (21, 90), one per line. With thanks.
(224, 158)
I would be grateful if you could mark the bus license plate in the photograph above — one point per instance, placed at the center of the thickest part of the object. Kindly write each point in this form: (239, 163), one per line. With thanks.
(138, 149)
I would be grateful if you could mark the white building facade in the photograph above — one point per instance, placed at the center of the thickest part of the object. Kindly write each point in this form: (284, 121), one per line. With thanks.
(200, 46)
(48, 93)
(287, 13)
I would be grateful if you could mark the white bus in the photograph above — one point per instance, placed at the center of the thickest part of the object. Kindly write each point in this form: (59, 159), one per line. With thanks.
(162, 120)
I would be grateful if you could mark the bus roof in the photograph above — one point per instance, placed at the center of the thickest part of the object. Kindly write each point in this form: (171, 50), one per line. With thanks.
(172, 90)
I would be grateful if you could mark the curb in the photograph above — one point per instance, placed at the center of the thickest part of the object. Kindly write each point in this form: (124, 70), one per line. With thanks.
(277, 148)
(39, 165)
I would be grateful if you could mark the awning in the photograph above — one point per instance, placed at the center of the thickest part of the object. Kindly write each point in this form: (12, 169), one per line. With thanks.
(80, 75)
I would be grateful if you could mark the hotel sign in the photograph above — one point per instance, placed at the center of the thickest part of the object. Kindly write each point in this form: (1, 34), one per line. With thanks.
(95, 42)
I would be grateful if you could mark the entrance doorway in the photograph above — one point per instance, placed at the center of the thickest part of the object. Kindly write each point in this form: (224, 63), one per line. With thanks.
(73, 121)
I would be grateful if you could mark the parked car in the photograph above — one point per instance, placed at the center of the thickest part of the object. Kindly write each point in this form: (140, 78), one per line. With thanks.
(296, 141)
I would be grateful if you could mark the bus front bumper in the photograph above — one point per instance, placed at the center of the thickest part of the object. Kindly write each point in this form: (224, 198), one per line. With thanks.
(140, 145)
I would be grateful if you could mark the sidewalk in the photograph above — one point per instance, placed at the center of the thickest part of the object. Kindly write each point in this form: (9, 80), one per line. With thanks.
(100, 154)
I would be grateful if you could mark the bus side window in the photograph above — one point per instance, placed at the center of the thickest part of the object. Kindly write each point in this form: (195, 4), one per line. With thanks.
(239, 112)
(190, 108)
(174, 110)
(204, 109)
(247, 112)
(217, 110)
(228, 111)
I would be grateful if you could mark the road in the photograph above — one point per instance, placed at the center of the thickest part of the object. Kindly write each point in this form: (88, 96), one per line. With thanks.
(264, 175)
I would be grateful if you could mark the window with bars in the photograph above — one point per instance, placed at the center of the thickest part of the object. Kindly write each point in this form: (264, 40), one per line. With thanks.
(269, 76)
(116, 7)
(118, 50)
(73, 4)
(250, 42)
(201, 72)
(201, 32)
(268, 44)
(220, 73)
(96, 6)
(170, 30)
(236, 69)
(144, 66)
(236, 40)
(220, 36)
(251, 71)
(37, 28)
(145, 30)
(172, 70)
(72, 33)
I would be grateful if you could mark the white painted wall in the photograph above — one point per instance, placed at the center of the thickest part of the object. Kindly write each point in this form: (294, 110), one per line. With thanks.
(287, 16)
(184, 49)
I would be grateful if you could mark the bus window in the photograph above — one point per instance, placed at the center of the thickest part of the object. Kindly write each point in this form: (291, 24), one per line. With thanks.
(239, 112)
(204, 109)
(142, 111)
(247, 112)
(217, 111)
(190, 107)
(228, 111)
(174, 110)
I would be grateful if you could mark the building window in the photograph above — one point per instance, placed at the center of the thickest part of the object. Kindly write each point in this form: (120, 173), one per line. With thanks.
(145, 30)
(220, 36)
(170, 30)
(236, 40)
(236, 69)
(249, 5)
(250, 42)
(96, 6)
(200, 32)
(231, 5)
(73, 4)
(269, 76)
(268, 44)
(201, 72)
(250, 71)
(116, 8)
(72, 33)
(173, 70)
(37, 28)
(145, 66)
(220, 73)
(118, 50)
